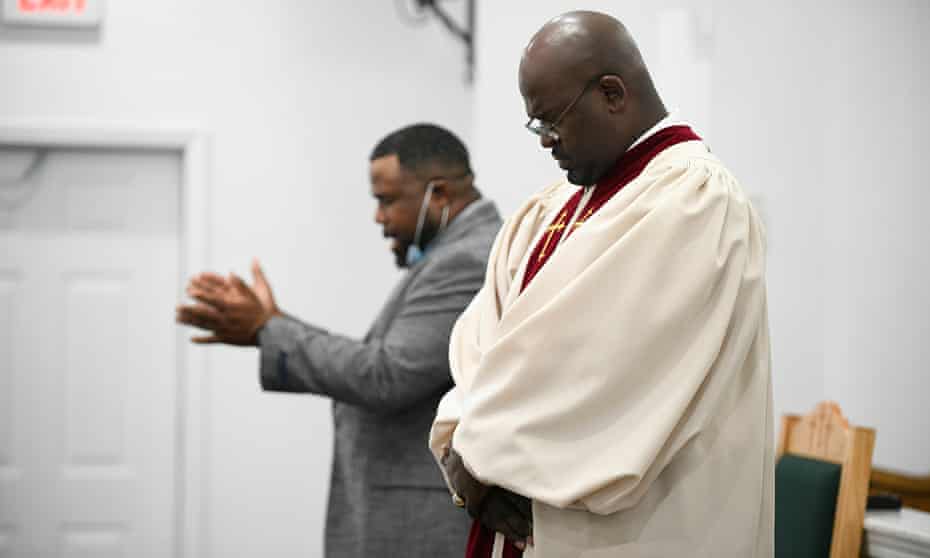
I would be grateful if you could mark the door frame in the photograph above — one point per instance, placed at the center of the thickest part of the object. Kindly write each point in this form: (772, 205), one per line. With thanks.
(193, 366)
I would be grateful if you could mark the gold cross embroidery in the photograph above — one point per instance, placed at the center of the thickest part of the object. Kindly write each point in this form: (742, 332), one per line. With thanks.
(582, 219)
(551, 230)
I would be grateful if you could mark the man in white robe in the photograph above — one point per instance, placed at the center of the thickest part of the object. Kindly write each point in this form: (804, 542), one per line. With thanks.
(613, 373)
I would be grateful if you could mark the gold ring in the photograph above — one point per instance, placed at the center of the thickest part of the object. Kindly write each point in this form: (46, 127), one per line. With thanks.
(457, 500)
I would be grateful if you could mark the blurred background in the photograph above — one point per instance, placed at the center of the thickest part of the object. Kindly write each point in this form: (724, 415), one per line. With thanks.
(150, 140)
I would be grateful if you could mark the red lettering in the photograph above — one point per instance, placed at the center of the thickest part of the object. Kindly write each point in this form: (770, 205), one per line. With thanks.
(77, 6)
(57, 5)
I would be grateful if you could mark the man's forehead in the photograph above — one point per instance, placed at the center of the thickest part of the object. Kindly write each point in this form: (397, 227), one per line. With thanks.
(386, 166)
(541, 90)
(389, 177)
(553, 64)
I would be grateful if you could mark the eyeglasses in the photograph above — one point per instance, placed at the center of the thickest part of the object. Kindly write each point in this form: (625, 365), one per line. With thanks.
(545, 129)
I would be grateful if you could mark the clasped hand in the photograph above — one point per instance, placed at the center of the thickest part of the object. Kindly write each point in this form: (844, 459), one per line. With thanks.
(496, 508)
(228, 308)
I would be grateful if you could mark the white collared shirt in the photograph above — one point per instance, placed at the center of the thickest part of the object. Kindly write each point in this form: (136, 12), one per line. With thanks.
(671, 119)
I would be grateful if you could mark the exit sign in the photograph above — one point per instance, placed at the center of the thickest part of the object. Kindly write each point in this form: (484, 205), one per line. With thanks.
(57, 13)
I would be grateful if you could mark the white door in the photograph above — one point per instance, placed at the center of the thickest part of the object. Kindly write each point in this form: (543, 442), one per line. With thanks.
(89, 256)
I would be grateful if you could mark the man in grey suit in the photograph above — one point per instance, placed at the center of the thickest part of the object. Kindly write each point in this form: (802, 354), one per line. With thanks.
(387, 497)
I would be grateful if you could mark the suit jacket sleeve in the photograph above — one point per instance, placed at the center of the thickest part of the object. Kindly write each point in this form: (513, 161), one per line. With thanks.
(408, 364)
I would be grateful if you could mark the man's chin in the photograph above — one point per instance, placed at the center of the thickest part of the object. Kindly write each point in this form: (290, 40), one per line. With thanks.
(580, 177)
(576, 177)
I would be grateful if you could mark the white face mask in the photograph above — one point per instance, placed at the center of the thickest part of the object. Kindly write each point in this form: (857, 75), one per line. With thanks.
(414, 252)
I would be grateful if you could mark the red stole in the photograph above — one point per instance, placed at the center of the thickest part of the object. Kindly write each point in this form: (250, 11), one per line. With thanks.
(481, 543)
(627, 168)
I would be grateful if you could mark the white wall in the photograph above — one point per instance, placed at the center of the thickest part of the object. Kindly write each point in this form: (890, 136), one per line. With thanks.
(876, 228)
(294, 95)
(820, 110)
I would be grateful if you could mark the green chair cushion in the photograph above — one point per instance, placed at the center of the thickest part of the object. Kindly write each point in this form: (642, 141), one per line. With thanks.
(805, 503)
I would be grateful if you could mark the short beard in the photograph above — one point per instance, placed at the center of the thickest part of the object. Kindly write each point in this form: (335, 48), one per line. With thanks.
(400, 258)
(578, 178)
(585, 176)
(430, 230)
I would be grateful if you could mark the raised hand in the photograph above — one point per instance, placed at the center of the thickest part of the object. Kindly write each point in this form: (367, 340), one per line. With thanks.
(262, 289)
(231, 310)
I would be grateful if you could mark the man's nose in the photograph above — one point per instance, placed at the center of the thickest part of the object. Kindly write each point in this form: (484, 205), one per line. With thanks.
(379, 216)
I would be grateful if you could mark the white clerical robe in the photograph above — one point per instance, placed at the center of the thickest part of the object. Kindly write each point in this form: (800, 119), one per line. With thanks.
(627, 389)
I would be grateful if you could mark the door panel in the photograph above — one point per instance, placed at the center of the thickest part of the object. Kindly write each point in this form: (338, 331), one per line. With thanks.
(88, 394)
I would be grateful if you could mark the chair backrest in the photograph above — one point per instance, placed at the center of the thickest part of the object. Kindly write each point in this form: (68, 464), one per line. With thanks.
(826, 435)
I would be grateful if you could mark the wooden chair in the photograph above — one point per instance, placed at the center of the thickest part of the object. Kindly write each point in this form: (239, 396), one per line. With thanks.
(914, 490)
(825, 435)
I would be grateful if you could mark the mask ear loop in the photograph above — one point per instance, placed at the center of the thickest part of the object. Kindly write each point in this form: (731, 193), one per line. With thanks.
(444, 220)
(421, 218)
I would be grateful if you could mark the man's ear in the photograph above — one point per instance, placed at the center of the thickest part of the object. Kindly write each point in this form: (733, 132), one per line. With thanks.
(615, 92)
(441, 196)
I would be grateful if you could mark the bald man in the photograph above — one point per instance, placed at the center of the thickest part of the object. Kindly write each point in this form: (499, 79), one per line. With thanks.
(613, 393)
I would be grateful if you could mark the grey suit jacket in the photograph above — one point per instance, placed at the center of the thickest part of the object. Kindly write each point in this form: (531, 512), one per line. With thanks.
(387, 497)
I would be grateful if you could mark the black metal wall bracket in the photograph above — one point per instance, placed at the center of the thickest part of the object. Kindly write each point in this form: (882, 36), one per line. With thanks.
(466, 33)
